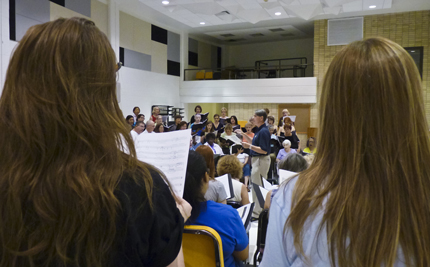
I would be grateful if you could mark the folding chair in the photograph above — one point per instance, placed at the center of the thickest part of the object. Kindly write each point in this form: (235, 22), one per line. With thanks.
(202, 246)
(263, 221)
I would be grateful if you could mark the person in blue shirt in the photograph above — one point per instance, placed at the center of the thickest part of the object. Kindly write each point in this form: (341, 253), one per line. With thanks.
(222, 218)
(260, 151)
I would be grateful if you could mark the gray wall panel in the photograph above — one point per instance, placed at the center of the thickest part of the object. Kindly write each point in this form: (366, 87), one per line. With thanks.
(81, 6)
(22, 25)
(33, 9)
(193, 45)
(173, 46)
(136, 60)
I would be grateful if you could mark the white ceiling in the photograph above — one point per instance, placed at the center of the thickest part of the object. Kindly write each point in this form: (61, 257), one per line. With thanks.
(251, 20)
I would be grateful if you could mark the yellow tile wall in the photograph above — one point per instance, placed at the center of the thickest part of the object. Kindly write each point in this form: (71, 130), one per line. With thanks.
(408, 29)
(244, 111)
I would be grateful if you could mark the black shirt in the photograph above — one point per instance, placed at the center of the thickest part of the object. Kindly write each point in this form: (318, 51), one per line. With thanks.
(146, 237)
(261, 139)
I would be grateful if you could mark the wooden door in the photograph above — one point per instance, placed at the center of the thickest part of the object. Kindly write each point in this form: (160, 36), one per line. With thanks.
(303, 113)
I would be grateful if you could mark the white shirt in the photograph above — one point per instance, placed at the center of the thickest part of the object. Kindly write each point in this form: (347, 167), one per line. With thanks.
(146, 132)
(243, 157)
(216, 148)
(134, 135)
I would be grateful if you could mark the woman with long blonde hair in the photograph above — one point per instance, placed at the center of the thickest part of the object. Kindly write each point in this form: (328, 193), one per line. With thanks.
(365, 200)
(68, 195)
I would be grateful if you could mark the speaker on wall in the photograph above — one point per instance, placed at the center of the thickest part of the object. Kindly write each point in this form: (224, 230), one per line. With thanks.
(344, 31)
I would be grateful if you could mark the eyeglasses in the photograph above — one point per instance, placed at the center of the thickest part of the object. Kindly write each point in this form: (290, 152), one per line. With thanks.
(118, 66)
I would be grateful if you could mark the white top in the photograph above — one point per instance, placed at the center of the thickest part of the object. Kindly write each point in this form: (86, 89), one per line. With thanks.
(280, 250)
(146, 132)
(134, 135)
(216, 148)
(243, 157)
(237, 190)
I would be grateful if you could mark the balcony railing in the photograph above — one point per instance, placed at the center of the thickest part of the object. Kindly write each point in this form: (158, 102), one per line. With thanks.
(274, 68)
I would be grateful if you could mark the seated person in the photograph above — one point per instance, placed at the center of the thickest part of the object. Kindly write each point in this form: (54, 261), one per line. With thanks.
(130, 121)
(210, 142)
(271, 122)
(195, 142)
(294, 163)
(159, 120)
(222, 218)
(216, 191)
(246, 166)
(231, 164)
(178, 119)
(182, 125)
(281, 129)
(310, 146)
(290, 135)
(217, 124)
(228, 131)
(139, 117)
(234, 123)
(159, 128)
(284, 153)
(150, 125)
(138, 129)
(197, 119)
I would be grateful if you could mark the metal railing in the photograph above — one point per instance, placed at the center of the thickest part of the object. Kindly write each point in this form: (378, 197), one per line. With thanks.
(274, 68)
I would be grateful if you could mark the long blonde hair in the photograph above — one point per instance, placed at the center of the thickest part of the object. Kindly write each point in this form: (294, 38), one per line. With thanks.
(59, 161)
(371, 172)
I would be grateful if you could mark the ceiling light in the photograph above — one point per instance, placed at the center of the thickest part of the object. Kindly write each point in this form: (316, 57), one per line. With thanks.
(165, 2)
(278, 13)
(202, 23)
(413, 51)
(372, 6)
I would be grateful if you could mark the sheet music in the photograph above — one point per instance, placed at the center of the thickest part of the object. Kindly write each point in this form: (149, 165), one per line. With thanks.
(293, 118)
(234, 139)
(169, 153)
(285, 175)
(226, 181)
(244, 212)
(268, 185)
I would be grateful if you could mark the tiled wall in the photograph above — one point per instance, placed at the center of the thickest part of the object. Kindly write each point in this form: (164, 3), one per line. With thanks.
(148, 47)
(244, 111)
(24, 13)
(408, 29)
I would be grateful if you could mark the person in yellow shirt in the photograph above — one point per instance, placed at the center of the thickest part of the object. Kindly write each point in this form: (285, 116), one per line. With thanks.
(311, 146)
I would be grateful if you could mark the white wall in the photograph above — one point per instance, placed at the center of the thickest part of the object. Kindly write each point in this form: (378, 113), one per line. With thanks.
(144, 89)
(245, 55)
(282, 90)
(6, 46)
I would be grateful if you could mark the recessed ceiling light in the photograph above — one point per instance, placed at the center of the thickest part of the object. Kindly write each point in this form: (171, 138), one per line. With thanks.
(202, 23)
(165, 2)
(413, 51)
(372, 6)
(278, 13)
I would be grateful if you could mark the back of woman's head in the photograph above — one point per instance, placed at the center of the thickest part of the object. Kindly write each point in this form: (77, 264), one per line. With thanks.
(229, 164)
(61, 130)
(194, 182)
(374, 174)
(294, 163)
(208, 155)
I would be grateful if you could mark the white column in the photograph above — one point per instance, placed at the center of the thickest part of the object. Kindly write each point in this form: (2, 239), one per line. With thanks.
(113, 25)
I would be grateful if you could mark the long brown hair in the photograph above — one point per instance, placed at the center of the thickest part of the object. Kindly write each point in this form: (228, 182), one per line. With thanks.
(371, 172)
(60, 162)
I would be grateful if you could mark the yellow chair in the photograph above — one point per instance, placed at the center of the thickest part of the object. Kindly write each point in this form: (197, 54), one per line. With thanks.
(202, 246)
(200, 75)
(242, 123)
(209, 75)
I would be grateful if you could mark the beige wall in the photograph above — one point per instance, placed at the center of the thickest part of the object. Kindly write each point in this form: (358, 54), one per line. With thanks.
(243, 111)
(99, 14)
(409, 29)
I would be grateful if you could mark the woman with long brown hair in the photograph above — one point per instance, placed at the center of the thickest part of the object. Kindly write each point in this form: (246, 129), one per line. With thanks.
(363, 201)
(68, 195)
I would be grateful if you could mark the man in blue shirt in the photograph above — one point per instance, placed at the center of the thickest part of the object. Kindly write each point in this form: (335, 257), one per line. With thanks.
(260, 151)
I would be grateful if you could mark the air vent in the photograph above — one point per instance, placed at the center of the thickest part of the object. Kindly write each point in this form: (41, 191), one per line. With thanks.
(276, 30)
(236, 40)
(257, 35)
(344, 31)
(287, 34)
(227, 35)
